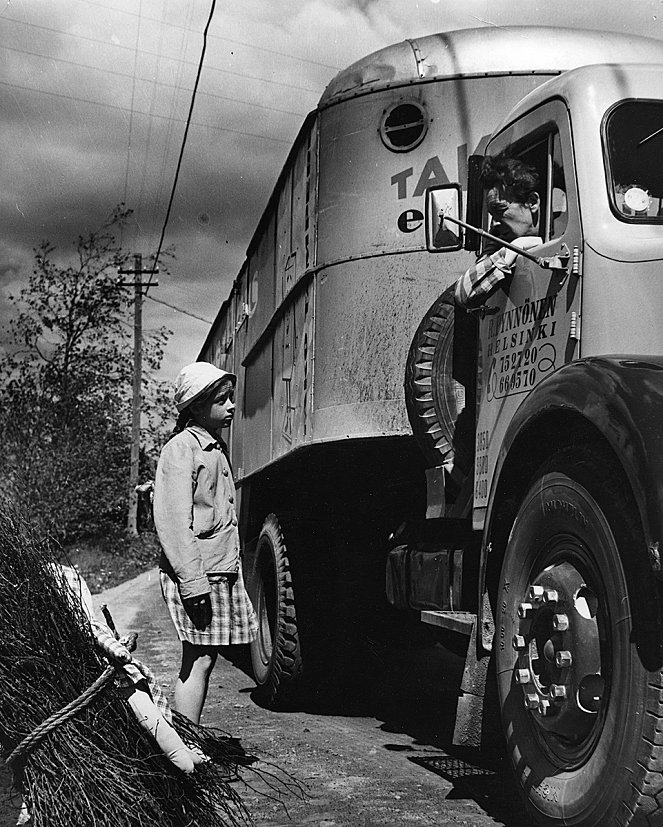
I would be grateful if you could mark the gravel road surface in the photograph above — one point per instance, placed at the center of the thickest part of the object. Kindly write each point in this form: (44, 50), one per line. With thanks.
(379, 756)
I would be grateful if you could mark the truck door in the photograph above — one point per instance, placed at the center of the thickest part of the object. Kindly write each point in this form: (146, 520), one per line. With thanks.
(530, 326)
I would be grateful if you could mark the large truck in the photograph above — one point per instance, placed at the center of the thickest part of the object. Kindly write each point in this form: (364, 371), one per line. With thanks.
(501, 471)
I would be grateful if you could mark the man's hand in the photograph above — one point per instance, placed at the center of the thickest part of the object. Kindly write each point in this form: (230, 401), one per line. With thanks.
(525, 242)
(199, 609)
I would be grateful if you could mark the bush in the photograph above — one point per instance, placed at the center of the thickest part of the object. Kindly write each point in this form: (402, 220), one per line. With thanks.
(109, 560)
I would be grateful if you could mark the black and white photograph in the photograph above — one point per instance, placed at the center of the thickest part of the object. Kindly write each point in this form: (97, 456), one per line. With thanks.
(331, 375)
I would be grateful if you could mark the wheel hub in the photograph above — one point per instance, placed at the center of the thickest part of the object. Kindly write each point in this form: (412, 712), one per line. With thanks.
(559, 653)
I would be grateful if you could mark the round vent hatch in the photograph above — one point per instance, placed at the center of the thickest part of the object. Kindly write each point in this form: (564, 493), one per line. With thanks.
(403, 126)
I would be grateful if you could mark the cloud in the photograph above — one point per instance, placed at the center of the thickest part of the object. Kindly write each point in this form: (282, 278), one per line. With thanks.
(95, 97)
(15, 262)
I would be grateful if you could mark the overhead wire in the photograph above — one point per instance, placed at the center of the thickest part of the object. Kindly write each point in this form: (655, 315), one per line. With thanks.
(131, 116)
(115, 73)
(118, 108)
(181, 156)
(236, 42)
(150, 123)
(179, 309)
(171, 120)
(177, 87)
(153, 54)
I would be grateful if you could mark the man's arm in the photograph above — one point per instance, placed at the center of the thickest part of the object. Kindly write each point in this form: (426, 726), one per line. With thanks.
(483, 277)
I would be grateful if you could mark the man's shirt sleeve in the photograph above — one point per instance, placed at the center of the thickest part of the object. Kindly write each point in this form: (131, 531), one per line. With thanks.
(480, 280)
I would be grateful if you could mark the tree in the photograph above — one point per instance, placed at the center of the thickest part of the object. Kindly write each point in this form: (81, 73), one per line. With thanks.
(66, 383)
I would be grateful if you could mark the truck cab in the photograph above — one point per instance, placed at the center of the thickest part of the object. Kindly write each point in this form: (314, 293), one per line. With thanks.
(591, 135)
(567, 486)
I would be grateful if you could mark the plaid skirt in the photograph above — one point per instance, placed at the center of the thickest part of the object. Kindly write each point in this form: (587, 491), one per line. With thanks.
(233, 617)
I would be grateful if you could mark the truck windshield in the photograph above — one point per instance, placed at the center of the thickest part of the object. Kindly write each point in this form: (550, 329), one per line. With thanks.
(634, 141)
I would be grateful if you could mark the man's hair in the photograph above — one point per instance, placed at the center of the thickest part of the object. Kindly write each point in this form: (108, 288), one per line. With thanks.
(515, 177)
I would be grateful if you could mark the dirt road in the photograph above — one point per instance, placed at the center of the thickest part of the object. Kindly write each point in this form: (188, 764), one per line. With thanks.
(381, 756)
(381, 760)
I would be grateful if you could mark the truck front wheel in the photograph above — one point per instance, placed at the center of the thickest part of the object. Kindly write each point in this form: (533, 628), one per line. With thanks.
(275, 654)
(579, 707)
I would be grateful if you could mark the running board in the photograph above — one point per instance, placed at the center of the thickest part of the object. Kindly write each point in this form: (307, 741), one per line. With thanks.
(461, 622)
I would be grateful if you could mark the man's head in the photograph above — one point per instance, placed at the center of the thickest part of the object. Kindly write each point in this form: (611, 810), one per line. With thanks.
(512, 196)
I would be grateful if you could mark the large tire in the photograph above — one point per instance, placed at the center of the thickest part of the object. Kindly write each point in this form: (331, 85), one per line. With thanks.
(439, 386)
(275, 654)
(575, 611)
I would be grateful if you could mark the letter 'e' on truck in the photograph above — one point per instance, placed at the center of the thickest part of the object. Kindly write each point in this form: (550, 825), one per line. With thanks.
(500, 469)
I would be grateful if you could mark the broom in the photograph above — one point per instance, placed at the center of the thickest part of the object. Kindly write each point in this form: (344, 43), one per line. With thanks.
(77, 752)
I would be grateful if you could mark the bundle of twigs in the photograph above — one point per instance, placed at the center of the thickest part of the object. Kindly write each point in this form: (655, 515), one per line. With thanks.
(98, 767)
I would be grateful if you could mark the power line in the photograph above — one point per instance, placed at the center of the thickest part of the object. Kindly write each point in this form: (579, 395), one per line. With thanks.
(151, 122)
(170, 128)
(179, 160)
(146, 114)
(179, 310)
(216, 36)
(164, 83)
(155, 54)
(133, 95)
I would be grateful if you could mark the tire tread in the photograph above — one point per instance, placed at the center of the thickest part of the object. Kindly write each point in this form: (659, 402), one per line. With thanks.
(641, 800)
(286, 664)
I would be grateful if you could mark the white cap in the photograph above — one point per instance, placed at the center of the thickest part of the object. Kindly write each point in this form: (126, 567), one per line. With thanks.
(193, 380)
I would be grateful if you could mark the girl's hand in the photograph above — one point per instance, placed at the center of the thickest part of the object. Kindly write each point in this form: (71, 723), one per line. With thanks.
(199, 609)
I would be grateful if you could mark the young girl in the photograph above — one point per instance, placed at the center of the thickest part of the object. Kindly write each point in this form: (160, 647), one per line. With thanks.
(196, 520)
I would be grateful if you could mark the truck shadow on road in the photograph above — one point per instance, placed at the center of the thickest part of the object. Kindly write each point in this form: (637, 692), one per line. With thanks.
(417, 696)
(409, 681)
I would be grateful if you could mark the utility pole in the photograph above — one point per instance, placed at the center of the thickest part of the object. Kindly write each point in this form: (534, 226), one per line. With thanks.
(137, 284)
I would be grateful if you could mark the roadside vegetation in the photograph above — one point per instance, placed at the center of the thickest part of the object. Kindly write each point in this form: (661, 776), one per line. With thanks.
(66, 378)
(107, 561)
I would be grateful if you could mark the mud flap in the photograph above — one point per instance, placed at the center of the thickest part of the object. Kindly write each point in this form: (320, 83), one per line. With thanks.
(469, 710)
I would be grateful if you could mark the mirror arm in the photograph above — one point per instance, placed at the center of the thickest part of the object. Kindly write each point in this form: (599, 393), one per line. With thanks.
(552, 263)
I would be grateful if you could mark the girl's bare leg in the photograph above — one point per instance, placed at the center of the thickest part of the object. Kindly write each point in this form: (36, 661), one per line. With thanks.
(193, 679)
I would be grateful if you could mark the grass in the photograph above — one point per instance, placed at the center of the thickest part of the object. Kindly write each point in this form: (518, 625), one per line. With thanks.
(107, 561)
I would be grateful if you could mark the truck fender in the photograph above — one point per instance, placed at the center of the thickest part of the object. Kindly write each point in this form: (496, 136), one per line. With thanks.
(615, 398)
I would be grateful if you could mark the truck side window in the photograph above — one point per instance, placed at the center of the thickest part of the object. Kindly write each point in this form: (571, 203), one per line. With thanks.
(558, 204)
(545, 155)
(633, 141)
(533, 155)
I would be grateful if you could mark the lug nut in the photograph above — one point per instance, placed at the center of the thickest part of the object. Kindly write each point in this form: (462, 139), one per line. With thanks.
(560, 623)
(524, 609)
(523, 676)
(557, 691)
(535, 592)
(531, 700)
(563, 659)
(519, 642)
(550, 596)
(544, 706)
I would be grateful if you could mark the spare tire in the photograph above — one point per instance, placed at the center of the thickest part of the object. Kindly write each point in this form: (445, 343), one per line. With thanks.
(440, 386)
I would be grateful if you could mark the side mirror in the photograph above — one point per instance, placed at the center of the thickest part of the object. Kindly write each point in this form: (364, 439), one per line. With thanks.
(443, 236)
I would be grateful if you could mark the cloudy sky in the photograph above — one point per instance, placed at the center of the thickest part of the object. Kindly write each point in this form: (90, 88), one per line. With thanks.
(95, 95)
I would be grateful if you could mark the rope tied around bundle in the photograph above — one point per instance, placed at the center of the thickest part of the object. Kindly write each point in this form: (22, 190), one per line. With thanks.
(51, 649)
(19, 755)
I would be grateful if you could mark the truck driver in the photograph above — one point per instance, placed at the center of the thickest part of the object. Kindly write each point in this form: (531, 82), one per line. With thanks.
(513, 202)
